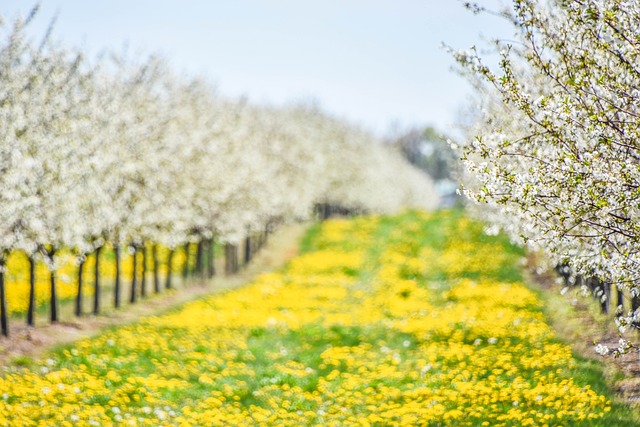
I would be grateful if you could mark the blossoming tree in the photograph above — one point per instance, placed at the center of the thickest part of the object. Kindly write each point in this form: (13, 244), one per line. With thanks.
(129, 154)
(555, 145)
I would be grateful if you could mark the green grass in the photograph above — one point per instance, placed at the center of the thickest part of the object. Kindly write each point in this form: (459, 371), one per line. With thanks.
(252, 366)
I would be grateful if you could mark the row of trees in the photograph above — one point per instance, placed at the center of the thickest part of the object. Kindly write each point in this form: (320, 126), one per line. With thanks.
(127, 152)
(555, 152)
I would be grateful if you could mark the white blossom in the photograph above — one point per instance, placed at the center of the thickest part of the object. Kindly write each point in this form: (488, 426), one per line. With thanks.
(554, 153)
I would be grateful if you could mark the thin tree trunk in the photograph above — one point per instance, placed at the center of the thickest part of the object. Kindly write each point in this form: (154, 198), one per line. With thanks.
(4, 318)
(255, 244)
(606, 304)
(185, 270)
(247, 249)
(635, 305)
(78, 310)
(234, 258)
(200, 258)
(156, 267)
(227, 258)
(211, 262)
(31, 311)
(134, 276)
(54, 294)
(116, 290)
(564, 271)
(169, 268)
(96, 282)
(143, 277)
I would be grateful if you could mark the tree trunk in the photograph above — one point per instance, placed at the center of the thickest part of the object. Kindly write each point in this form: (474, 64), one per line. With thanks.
(96, 282)
(4, 318)
(116, 290)
(169, 268)
(635, 303)
(227, 259)
(247, 249)
(255, 245)
(211, 262)
(200, 258)
(31, 311)
(54, 294)
(606, 304)
(143, 277)
(231, 255)
(600, 291)
(134, 276)
(156, 267)
(185, 270)
(236, 258)
(78, 310)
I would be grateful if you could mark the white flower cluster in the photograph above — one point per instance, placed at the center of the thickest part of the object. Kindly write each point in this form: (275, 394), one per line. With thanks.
(130, 152)
(556, 153)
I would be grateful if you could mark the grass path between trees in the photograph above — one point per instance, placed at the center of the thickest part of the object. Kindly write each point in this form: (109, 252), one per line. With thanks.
(416, 320)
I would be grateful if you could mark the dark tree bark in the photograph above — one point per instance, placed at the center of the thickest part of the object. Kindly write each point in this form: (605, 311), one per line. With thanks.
(31, 311)
(169, 268)
(134, 276)
(185, 269)
(236, 262)
(96, 282)
(606, 304)
(255, 245)
(116, 290)
(143, 277)
(227, 259)
(635, 303)
(200, 258)
(564, 271)
(78, 310)
(326, 211)
(211, 262)
(247, 249)
(156, 268)
(54, 294)
(599, 289)
(231, 258)
(4, 318)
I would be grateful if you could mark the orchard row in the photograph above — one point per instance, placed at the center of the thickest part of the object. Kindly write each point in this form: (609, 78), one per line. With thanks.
(126, 153)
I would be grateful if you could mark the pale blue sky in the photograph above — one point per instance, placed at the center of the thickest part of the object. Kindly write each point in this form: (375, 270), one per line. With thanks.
(375, 62)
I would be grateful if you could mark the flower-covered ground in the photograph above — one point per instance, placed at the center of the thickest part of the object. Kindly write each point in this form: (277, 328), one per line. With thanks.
(413, 320)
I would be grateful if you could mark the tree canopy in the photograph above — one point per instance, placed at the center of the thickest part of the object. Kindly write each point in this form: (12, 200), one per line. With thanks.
(128, 151)
(555, 148)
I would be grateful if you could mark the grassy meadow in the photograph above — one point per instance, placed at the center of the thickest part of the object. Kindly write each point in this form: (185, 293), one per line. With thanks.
(418, 319)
